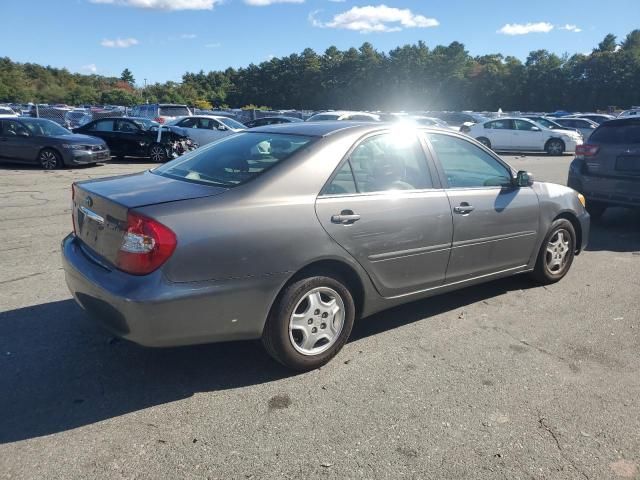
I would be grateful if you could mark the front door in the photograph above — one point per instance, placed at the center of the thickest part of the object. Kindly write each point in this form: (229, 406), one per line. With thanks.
(386, 208)
(527, 136)
(495, 224)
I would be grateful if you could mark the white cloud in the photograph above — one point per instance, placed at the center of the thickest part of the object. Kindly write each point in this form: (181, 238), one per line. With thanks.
(571, 28)
(264, 3)
(525, 28)
(378, 18)
(213, 45)
(91, 68)
(338, 1)
(188, 36)
(163, 4)
(119, 42)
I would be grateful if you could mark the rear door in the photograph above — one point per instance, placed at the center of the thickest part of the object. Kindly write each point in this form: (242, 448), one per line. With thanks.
(495, 225)
(500, 134)
(385, 207)
(17, 142)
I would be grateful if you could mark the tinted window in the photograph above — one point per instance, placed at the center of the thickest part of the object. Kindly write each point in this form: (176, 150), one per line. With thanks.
(524, 125)
(466, 165)
(126, 126)
(102, 126)
(499, 125)
(174, 111)
(14, 129)
(390, 162)
(342, 183)
(235, 159)
(615, 133)
(188, 123)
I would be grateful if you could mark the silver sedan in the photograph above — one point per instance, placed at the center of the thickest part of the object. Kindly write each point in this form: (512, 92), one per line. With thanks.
(291, 232)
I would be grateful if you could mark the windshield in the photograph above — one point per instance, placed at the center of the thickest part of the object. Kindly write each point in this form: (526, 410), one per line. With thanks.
(235, 159)
(231, 123)
(43, 127)
(174, 111)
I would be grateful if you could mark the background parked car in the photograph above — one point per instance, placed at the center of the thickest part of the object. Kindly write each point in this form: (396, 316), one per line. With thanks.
(161, 112)
(131, 137)
(344, 115)
(261, 122)
(549, 122)
(41, 141)
(77, 118)
(594, 117)
(585, 126)
(457, 119)
(606, 169)
(203, 129)
(7, 111)
(634, 112)
(524, 135)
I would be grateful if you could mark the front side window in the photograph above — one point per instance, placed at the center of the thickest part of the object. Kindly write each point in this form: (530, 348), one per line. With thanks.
(525, 125)
(235, 159)
(392, 161)
(466, 165)
(126, 126)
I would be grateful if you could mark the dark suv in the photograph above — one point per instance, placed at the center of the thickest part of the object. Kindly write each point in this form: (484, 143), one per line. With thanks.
(606, 170)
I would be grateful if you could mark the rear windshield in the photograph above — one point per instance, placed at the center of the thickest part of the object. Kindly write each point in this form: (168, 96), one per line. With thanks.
(235, 159)
(174, 111)
(323, 117)
(612, 133)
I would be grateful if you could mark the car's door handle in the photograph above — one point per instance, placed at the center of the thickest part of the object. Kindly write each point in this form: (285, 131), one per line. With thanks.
(346, 217)
(464, 208)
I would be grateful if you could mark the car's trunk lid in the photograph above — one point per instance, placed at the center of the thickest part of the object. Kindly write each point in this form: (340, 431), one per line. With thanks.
(100, 206)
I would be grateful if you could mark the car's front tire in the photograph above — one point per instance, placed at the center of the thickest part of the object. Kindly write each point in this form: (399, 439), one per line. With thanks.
(556, 253)
(49, 159)
(157, 153)
(555, 147)
(309, 323)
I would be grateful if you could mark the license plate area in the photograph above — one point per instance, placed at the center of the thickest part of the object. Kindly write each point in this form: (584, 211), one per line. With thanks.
(628, 164)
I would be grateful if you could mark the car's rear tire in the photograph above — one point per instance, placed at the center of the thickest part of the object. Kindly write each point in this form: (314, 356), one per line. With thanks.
(157, 153)
(596, 209)
(309, 323)
(484, 141)
(556, 253)
(49, 159)
(555, 147)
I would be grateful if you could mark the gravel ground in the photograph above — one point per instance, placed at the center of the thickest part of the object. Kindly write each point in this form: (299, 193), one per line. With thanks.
(506, 380)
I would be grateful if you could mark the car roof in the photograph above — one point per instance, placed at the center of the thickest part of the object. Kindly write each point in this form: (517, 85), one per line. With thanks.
(622, 121)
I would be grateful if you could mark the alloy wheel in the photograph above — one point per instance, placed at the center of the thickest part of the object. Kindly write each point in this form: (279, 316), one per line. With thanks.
(48, 160)
(157, 154)
(317, 321)
(558, 249)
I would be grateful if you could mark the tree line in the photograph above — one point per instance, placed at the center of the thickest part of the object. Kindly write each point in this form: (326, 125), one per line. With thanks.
(410, 77)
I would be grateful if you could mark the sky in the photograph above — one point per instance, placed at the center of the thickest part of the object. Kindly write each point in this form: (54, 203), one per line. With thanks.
(159, 40)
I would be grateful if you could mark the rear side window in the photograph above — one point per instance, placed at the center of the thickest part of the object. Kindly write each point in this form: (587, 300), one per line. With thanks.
(235, 159)
(343, 183)
(499, 125)
(103, 126)
(611, 133)
(392, 161)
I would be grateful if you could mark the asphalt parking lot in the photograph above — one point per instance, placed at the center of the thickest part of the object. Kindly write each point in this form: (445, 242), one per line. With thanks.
(506, 380)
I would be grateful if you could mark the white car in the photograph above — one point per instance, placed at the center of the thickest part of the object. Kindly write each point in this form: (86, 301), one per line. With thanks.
(634, 112)
(344, 115)
(7, 112)
(523, 135)
(204, 129)
(585, 126)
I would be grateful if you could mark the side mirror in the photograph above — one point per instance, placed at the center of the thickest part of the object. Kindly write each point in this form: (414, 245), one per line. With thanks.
(535, 129)
(222, 128)
(523, 179)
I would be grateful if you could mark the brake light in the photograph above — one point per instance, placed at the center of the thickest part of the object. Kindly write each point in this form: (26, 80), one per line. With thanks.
(146, 245)
(159, 119)
(73, 204)
(587, 150)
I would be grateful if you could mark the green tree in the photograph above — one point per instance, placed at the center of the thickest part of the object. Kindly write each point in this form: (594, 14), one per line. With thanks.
(127, 76)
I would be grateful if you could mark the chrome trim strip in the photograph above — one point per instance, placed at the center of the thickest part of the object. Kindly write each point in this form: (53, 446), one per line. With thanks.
(91, 215)
(381, 257)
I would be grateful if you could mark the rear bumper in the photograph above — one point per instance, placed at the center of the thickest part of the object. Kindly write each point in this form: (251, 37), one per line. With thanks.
(152, 311)
(607, 190)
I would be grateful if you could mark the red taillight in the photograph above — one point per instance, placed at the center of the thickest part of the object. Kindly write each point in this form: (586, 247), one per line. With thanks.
(146, 245)
(587, 150)
(73, 201)
(159, 119)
